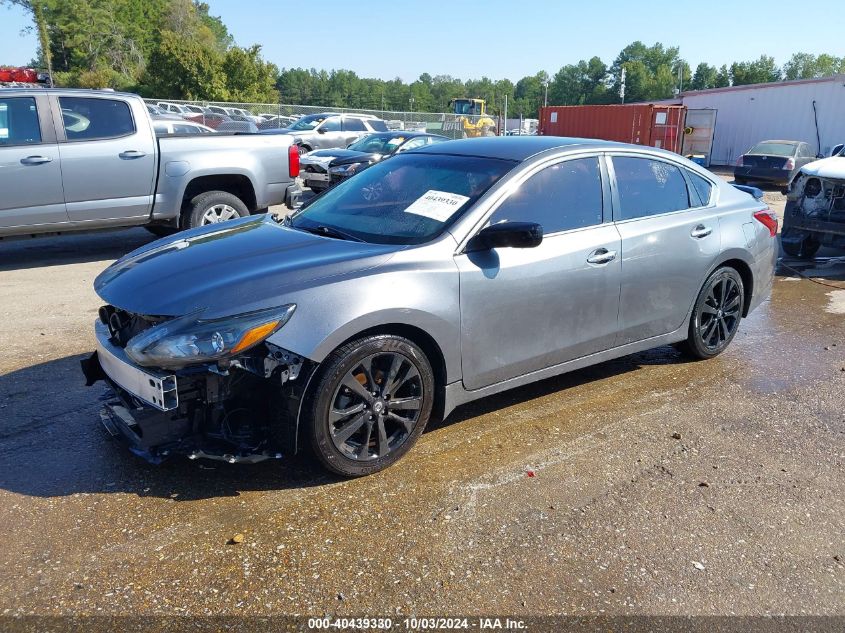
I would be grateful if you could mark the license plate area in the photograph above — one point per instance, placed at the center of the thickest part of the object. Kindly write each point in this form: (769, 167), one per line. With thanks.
(317, 177)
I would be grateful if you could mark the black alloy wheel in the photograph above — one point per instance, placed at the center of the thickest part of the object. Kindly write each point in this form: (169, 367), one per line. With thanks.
(716, 315)
(372, 403)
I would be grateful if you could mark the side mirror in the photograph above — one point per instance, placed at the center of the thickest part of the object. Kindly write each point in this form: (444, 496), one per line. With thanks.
(819, 155)
(507, 235)
(321, 130)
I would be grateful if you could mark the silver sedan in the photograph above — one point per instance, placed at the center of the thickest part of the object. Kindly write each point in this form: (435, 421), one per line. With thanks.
(441, 276)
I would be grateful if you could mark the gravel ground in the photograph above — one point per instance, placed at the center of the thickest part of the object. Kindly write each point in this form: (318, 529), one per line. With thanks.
(646, 485)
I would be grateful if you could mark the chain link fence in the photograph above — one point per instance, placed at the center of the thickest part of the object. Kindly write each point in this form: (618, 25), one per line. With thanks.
(279, 115)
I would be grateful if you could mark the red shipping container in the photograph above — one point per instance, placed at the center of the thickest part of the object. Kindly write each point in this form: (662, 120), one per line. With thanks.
(24, 75)
(642, 124)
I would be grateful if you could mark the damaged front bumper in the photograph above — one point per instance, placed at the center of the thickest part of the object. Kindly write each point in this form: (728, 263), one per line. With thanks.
(243, 412)
(815, 209)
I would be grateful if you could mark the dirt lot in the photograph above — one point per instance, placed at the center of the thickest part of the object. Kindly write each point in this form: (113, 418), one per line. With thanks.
(646, 485)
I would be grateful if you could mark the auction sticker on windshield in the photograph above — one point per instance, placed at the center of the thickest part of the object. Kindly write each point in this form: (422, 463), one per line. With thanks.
(437, 205)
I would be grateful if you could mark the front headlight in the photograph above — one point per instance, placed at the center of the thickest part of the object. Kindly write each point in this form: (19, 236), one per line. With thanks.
(345, 170)
(189, 339)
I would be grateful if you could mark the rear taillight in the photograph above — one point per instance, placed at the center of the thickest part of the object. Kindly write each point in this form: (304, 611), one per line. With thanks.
(293, 161)
(790, 164)
(739, 162)
(767, 219)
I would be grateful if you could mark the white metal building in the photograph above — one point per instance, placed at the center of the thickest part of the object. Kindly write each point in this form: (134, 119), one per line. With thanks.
(785, 110)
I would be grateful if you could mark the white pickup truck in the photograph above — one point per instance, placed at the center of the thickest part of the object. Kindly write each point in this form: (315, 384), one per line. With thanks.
(88, 159)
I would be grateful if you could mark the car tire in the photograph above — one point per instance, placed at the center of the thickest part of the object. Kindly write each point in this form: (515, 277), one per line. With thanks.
(806, 249)
(212, 207)
(354, 433)
(716, 314)
(303, 149)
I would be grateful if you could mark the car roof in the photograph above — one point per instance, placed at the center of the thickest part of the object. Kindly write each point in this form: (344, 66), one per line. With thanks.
(783, 142)
(518, 147)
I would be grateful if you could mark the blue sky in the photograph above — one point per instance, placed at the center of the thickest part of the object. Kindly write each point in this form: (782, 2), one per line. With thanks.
(404, 38)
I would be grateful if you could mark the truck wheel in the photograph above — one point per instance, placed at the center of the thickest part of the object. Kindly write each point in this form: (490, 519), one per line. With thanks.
(212, 207)
(372, 401)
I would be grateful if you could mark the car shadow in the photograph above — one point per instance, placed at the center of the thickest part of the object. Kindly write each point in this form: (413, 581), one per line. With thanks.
(52, 443)
(612, 368)
(56, 250)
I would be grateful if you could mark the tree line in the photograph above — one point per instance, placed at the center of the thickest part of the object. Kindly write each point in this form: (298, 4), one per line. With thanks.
(170, 49)
(175, 49)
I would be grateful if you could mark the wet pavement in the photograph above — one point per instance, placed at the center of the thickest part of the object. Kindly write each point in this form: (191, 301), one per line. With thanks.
(645, 485)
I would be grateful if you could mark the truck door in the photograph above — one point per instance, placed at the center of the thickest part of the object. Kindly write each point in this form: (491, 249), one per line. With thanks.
(108, 159)
(30, 174)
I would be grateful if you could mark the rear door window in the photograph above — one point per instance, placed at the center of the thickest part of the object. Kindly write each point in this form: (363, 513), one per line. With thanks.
(19, 122)
(702, 188)
(378, 125)
(351, 124)
(649, 187)
(89, 119)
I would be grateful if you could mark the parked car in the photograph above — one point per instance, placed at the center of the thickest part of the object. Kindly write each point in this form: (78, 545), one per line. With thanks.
(210, 119)
(326, 167)
(88, 159)
(277, 122)
(175, 108)
(815, 208)
(328, 130)
(158, 113)
(774, 162)
(236, 114)
(437, 277)
(245, 127)
(165, 127)
(195, 109)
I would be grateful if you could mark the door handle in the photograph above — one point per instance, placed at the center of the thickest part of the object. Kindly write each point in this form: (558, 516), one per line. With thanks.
(36, 160)
(132, 153)
(601, 256)
(701, 231)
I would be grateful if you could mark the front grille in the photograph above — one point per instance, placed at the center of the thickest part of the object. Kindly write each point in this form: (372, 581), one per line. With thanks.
(124, 325)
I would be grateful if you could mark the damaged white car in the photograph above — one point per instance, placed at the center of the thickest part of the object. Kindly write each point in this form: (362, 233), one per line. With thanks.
(815, 208)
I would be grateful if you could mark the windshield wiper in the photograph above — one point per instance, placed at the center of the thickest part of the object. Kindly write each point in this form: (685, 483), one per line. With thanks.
(329, 231)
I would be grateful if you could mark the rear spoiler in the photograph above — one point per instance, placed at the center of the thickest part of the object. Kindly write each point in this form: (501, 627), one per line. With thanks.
(752, 191)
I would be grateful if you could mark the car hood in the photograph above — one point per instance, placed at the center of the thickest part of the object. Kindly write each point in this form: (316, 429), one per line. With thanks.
(230, 268)
(833, 167)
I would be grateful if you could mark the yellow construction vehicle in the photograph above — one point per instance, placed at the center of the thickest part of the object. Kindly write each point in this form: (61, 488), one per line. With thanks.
(473, 118)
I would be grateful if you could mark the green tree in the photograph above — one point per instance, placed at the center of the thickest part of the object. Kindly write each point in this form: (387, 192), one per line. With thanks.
(704, 77)
(809, 66)
(762, 70)
(36, 8)
(723, 77)
(181, 68)
(249, 78)
(650, 71)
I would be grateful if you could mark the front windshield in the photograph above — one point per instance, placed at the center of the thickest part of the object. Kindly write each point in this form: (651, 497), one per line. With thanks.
(773, 149)
(308, 122)
(378, 143)
(410, 199)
